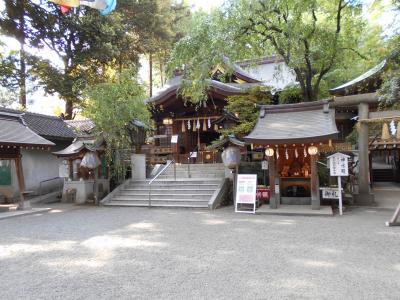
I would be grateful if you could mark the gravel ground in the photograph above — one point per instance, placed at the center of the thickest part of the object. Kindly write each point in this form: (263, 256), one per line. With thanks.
(136, 253)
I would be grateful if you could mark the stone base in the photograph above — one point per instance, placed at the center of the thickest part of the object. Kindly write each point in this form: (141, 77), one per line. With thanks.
(364, 199)
(24, 205)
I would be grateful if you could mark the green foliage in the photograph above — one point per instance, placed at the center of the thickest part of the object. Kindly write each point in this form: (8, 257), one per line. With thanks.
(314, 37)
(112, 105)
(211, 36)
(290, 95)
(389, 93)
(246, 107)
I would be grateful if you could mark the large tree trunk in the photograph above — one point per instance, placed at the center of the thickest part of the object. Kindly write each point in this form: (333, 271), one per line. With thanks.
(69, 106)
(22, 70)
(150, 75)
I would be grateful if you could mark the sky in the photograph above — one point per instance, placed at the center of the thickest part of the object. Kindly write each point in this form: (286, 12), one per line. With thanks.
(47, 104)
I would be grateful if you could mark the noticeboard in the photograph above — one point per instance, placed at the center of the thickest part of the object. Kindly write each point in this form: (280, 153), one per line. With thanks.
(339, 164)
(246, 188)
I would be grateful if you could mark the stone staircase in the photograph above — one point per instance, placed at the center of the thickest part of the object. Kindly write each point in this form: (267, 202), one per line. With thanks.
(186, 192)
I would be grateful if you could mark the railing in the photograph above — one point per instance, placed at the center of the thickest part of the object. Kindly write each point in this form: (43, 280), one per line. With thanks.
(48, 180)
(169, 163)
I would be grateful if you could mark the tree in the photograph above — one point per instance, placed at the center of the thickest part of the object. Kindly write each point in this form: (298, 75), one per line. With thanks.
(156, 26)
(246, 107)
(13, 24)
(113, 104)
(312, 37)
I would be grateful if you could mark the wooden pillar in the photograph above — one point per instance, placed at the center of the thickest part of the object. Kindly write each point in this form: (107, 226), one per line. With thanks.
(315, 200)
(273, 201)
(21, 184)
(364, 197)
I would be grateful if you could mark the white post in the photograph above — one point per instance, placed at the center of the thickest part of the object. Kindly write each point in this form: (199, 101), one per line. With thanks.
(340, 195)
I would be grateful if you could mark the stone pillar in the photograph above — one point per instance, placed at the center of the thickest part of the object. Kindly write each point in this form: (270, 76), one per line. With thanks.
(138, 165)
(273, 200)
(364, 196)
(315, 199)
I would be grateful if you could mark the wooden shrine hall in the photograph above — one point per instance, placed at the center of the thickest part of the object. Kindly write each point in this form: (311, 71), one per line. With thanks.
(291, 135)
(185, 130)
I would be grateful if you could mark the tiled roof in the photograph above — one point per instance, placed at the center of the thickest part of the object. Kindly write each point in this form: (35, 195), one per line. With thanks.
(50, 127)
(14, 132)
(81, 127)
(352, 84)
(294, 123)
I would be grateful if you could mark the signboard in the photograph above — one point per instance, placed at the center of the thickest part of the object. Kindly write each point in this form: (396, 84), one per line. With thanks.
(174, 139)
(339, 164)
(264, 165)
(63, 171)
(246, 187)
(330, 193)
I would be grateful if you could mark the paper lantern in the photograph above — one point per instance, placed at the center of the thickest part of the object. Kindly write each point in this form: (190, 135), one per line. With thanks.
(188, 124)
(204, 125)
(312, 150)
(286, 154)
(296, 154)
(198, 124)
(269, 152)
(209, 123)
(305, 152)
(183, 126)
(215, 127)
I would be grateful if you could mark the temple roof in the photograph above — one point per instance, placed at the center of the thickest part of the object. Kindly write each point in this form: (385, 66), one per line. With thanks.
(49, 127)
(171, 89)
(306, 122)
(352, 85)
(81, 145)
(15, 132)
(226, 141)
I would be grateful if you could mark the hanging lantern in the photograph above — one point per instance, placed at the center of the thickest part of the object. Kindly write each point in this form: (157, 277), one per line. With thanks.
(385, 132)
(296, 154)
(215, 127)
(198, 124)
(188, 124)
(204, 125)
(269, 152)
(194, 125)
(286, 154)
(305, 152)
(277, 153)
(183, 126)
(209, 123)
(330, 143)
(312, 150)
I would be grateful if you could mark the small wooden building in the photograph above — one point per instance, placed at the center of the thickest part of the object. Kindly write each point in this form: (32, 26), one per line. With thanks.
(291, 135)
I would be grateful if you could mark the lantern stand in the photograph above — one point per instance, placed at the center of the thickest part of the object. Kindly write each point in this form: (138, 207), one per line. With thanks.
(231, 160)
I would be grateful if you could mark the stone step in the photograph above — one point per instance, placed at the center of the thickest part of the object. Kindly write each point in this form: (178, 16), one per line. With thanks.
(172, 183)
(160, 205)
(192, 175)
(166, 195)
(175, 190)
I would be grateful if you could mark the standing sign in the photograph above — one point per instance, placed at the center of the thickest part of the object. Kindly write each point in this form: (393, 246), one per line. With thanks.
(339, 166)
(264, 165)
(246, 188)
